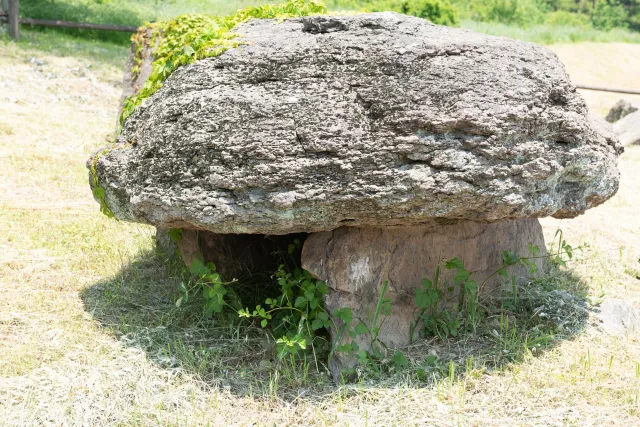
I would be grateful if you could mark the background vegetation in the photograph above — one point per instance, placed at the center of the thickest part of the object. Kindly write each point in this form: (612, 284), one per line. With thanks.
(544, 21)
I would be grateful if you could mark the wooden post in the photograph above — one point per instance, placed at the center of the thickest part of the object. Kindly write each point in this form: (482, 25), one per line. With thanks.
(14, 19)
(4, 7)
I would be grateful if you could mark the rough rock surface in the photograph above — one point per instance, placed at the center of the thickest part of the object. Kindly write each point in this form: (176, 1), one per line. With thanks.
(621, 109)
(355, 262)
(366, 120)
(628, 129)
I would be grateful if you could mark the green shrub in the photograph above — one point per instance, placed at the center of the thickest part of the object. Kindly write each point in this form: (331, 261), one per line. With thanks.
(440, 12)
(514, 12)
(562, 18)
(609, 14)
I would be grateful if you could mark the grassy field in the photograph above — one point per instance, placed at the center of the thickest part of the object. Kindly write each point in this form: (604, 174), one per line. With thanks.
(90, 335)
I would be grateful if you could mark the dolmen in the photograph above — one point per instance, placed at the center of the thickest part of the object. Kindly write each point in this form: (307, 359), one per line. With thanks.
(387, 142)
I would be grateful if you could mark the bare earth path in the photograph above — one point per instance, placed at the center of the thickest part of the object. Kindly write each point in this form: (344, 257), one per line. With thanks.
(89, 334)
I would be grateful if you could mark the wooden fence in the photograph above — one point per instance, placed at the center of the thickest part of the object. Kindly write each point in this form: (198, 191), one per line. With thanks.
(9, 14)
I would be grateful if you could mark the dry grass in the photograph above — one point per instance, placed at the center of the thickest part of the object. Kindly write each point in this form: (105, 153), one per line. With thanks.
(613, 65)
(89, 334)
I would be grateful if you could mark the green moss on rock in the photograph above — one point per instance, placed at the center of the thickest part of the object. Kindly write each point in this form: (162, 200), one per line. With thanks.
(188, 38)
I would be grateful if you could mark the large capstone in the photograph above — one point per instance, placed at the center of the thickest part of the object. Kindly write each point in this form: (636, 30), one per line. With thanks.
(372, 120)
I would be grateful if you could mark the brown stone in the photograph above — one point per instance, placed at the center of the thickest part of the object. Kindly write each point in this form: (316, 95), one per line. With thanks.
(356, 262)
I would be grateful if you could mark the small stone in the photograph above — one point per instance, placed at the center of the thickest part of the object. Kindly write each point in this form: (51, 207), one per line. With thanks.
(628, 129)
(621, 109)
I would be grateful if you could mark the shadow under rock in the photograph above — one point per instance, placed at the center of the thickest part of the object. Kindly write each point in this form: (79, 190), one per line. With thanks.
(138, 307)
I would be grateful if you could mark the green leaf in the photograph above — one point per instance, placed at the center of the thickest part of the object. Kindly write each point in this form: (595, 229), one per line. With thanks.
(322, 287)
(317, 324)
(471, 286)
(462, 276)
(509, 258)
(534, 249)
(300, 302)
(423, 300)
(345, 348)
(179, 302)
(188, 50)
(197, 268)
(361, 328)
(182, 288)
(215, 279)
(263, 323)
(344, 314)
(454, 263)
(399, 360)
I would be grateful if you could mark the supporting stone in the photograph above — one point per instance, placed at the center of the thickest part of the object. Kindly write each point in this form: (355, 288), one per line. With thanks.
(355, 263)
(164, 242)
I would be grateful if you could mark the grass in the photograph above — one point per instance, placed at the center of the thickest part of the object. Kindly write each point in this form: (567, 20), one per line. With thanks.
(89, 333)
(551, 34)
(609, 65)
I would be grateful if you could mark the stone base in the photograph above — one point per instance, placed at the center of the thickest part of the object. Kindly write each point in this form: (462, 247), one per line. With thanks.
(355, 263)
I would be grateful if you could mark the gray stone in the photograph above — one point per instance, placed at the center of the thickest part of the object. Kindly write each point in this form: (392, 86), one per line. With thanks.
(356, 262)
(372, 120)
(622, 108)
(618, 317)
(628, 129)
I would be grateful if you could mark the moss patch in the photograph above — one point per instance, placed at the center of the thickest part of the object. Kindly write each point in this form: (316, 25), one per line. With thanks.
(188, 38)
(98, 191)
